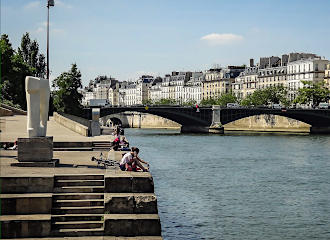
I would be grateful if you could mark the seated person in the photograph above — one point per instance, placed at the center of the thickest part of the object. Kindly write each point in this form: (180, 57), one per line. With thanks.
(124, 142)
(131, 161)
(13, 147)
(116, 142)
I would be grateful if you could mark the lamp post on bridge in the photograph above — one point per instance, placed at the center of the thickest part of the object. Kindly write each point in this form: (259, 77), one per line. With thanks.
(50, 3)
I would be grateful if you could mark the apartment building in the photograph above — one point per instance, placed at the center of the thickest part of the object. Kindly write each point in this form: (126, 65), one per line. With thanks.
(327, 76)
(219, 81)
(192, 90)
(246, 83)
(310, 69)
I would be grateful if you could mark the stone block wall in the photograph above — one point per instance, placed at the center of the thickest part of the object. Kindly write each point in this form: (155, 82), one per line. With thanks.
(71, 124)
(270, 123)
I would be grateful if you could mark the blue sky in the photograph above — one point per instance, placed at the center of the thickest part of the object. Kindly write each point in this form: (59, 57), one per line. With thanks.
(125, 39)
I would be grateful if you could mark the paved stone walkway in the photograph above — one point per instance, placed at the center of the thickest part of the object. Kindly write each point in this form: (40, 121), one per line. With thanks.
(13, 127)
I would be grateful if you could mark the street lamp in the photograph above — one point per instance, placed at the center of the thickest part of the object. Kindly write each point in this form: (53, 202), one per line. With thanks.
(50, 3)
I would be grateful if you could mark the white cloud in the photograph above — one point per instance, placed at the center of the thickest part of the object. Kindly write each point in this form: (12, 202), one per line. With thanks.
(43, 28)
(32, 5)
(62, 4)
(221, 39)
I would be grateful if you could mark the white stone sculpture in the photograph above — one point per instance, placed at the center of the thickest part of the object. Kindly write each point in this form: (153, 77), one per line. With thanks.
(37, 98)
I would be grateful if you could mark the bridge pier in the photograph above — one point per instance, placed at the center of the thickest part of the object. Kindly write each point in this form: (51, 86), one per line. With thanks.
(200, 129)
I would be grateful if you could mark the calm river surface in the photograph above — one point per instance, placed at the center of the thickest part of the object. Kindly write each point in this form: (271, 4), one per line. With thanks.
(239, 186)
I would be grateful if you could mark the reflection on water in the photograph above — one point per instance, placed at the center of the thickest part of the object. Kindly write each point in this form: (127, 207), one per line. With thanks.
(239, 186)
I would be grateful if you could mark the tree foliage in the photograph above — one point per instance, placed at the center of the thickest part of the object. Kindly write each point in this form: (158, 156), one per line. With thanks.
(165, 101)
(222, 100)
(312, 93)
(29, 51)
(226, 98)
(66, 97)
(273, 94)
(208, 102)
(190, 102)
(16, 65)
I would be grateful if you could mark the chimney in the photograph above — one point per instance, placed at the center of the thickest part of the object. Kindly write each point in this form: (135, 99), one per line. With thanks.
(251, 62)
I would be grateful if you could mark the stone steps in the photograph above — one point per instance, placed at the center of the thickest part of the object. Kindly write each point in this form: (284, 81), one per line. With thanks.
(79, 189)
(77, 217)
(78, 225)
(72, 149)
(67, 183)
(94, 238)
(101, 146)
(78, 232)
(78, 210)
(77, 196)
(79, 177)
(78, 203)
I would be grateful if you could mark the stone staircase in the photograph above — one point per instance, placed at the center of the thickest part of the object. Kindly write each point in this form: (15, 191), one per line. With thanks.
(78, 206)
(101, 146)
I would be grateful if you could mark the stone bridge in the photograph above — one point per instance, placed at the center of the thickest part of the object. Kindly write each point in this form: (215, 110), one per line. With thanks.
(211, 119)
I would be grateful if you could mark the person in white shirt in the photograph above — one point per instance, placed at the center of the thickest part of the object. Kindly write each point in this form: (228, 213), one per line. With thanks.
(131, 160)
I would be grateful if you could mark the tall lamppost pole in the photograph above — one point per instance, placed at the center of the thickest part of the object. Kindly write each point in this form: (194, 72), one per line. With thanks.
(50, 3)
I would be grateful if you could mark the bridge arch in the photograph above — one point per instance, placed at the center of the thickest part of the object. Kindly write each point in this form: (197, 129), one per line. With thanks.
(269, 122)
(183, 116)
(311, 117)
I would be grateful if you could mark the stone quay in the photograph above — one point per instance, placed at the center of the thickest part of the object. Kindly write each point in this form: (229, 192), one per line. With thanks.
(77, 199)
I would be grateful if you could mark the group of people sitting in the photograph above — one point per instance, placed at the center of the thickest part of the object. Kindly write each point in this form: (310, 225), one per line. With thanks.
(131, 162)
(119, 142)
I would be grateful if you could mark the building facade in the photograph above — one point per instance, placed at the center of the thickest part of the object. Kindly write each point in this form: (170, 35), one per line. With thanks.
(219, 81)
(246, 83)
(311, 70)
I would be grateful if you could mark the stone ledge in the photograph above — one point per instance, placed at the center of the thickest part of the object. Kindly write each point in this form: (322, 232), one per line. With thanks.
(128, 203)
(129, 184)
(53, 163)
(132, 225)
(19, 184)
(19, 226)
(16, 204)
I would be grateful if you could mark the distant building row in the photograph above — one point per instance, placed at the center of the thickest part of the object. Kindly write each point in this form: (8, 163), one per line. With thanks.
(187, 87)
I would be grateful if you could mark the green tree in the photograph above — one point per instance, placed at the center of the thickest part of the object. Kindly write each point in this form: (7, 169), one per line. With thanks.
(66, 96)
(273, 94)
(29, 51)
(14, 71)
(165, 101)
(147, 102)
(190, 102)
(312, 93)
(15, 66)
(277, 94)
(226, 98)
(208, 102)
(7, 54)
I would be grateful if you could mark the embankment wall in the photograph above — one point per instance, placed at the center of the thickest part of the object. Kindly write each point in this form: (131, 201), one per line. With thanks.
(258, 123)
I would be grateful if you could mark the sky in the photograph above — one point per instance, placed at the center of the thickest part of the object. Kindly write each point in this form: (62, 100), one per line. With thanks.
(125, 39)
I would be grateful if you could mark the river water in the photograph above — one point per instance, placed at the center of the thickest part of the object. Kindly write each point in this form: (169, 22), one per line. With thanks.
(241, 186)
